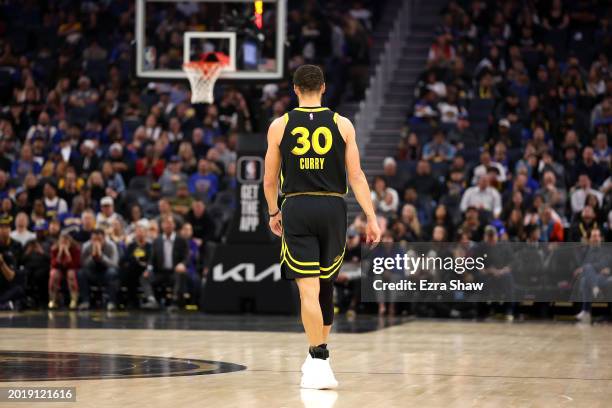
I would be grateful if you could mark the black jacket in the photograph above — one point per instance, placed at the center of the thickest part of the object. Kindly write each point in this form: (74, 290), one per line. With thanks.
(180, 253)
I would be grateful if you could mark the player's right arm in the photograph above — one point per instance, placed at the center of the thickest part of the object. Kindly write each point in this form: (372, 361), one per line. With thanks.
(357, 179)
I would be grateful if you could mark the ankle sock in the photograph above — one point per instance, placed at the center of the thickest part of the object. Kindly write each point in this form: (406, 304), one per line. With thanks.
(319, 351)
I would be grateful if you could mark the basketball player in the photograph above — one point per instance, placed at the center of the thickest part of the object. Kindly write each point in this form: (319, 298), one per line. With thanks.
(313, 152)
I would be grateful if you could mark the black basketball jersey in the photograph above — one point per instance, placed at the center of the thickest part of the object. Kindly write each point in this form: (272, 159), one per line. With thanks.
(312, 151)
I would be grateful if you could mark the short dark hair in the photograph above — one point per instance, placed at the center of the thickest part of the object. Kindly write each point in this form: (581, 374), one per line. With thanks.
(308, 78)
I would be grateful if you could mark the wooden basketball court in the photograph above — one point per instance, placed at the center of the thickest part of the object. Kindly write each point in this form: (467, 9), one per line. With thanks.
(381, 364)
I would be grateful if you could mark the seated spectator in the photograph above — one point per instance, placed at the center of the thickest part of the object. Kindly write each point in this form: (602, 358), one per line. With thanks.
(181, 203)
(205, 183)
(151, 164)
(385, 199)
(390, 173)
(407, 227)
(203, 225)
(172, 177)
(515, 228)
(43, 128)
(581, 191)
(65, 261)
(21, 233)
(194, 265)
(486, 162)
(442, 219)
(482, 197)
(594, 273)
(24, 165)
(12, 279)
(169, 260)
(54, 205)
(425, 184)
(114, 182)
(554, 196)
(463, 136)
(589, 166)
(602, 153)
(550, 225)
(135, 266)
(99, 264)
(582, 226)
(471, 227)
(439, 150)
(107, 214)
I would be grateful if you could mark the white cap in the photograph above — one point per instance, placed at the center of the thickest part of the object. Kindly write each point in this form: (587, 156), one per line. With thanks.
(90, 144)
(116, 146)
(504, 122)
(389, 160)
(107, 200)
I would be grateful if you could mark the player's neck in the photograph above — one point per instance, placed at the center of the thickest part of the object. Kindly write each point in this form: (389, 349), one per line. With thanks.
(309, 102)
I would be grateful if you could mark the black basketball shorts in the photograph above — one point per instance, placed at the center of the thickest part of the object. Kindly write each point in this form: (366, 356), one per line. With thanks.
(314, 236)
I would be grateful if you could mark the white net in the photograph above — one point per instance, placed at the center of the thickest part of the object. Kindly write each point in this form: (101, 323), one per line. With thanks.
(202, 77)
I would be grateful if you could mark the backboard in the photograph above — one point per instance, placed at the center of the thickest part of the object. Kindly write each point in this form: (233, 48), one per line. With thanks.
(172, 32)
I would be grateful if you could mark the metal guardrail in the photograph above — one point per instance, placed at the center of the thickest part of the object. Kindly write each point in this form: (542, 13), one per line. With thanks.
(370, 106)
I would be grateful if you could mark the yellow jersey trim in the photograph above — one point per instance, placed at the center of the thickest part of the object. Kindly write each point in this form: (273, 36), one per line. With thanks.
(297, 269)
(332, 272)
(315, 193)
(336, 118)
(339, 260)
(292, 259)
(311, 109)
(286, 116)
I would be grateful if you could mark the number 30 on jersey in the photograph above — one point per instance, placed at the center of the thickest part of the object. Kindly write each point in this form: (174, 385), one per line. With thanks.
(306, 141)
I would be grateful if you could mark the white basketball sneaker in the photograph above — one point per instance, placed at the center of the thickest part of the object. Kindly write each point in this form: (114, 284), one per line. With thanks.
(317, 374)
(308, 358)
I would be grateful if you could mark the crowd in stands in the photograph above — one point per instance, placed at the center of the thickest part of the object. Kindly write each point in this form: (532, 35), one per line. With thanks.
(112, 182)
(510, 129)
(511, 125)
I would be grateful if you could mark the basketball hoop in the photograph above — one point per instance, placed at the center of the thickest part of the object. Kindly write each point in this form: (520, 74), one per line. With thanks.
(203, 74)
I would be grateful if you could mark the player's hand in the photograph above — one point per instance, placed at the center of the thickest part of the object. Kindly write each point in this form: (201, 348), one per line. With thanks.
(276, 224)
(372, 231)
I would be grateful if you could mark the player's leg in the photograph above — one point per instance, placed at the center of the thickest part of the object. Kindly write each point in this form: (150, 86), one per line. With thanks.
(300, 261)
(312, 317)
(332, 238)
(326, 301)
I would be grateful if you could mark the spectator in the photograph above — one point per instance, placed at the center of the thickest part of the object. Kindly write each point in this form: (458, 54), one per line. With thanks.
(204, 227)
(65, 261)
(581, 191)
(181, 203)
(169, 260)
(24, 165)
(585, 222)
(385, 199)
(204, 184)
(99, 264)
(593, 274)
(21, 233)
(55, 206)
(485, 164)
(107, 214)
(172, 177)
(135, 266)
(12, 279)
(438, 150)
(550, 226)
(482, 196)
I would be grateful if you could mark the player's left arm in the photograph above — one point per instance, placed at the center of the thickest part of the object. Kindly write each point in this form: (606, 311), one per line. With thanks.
(271, 173)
